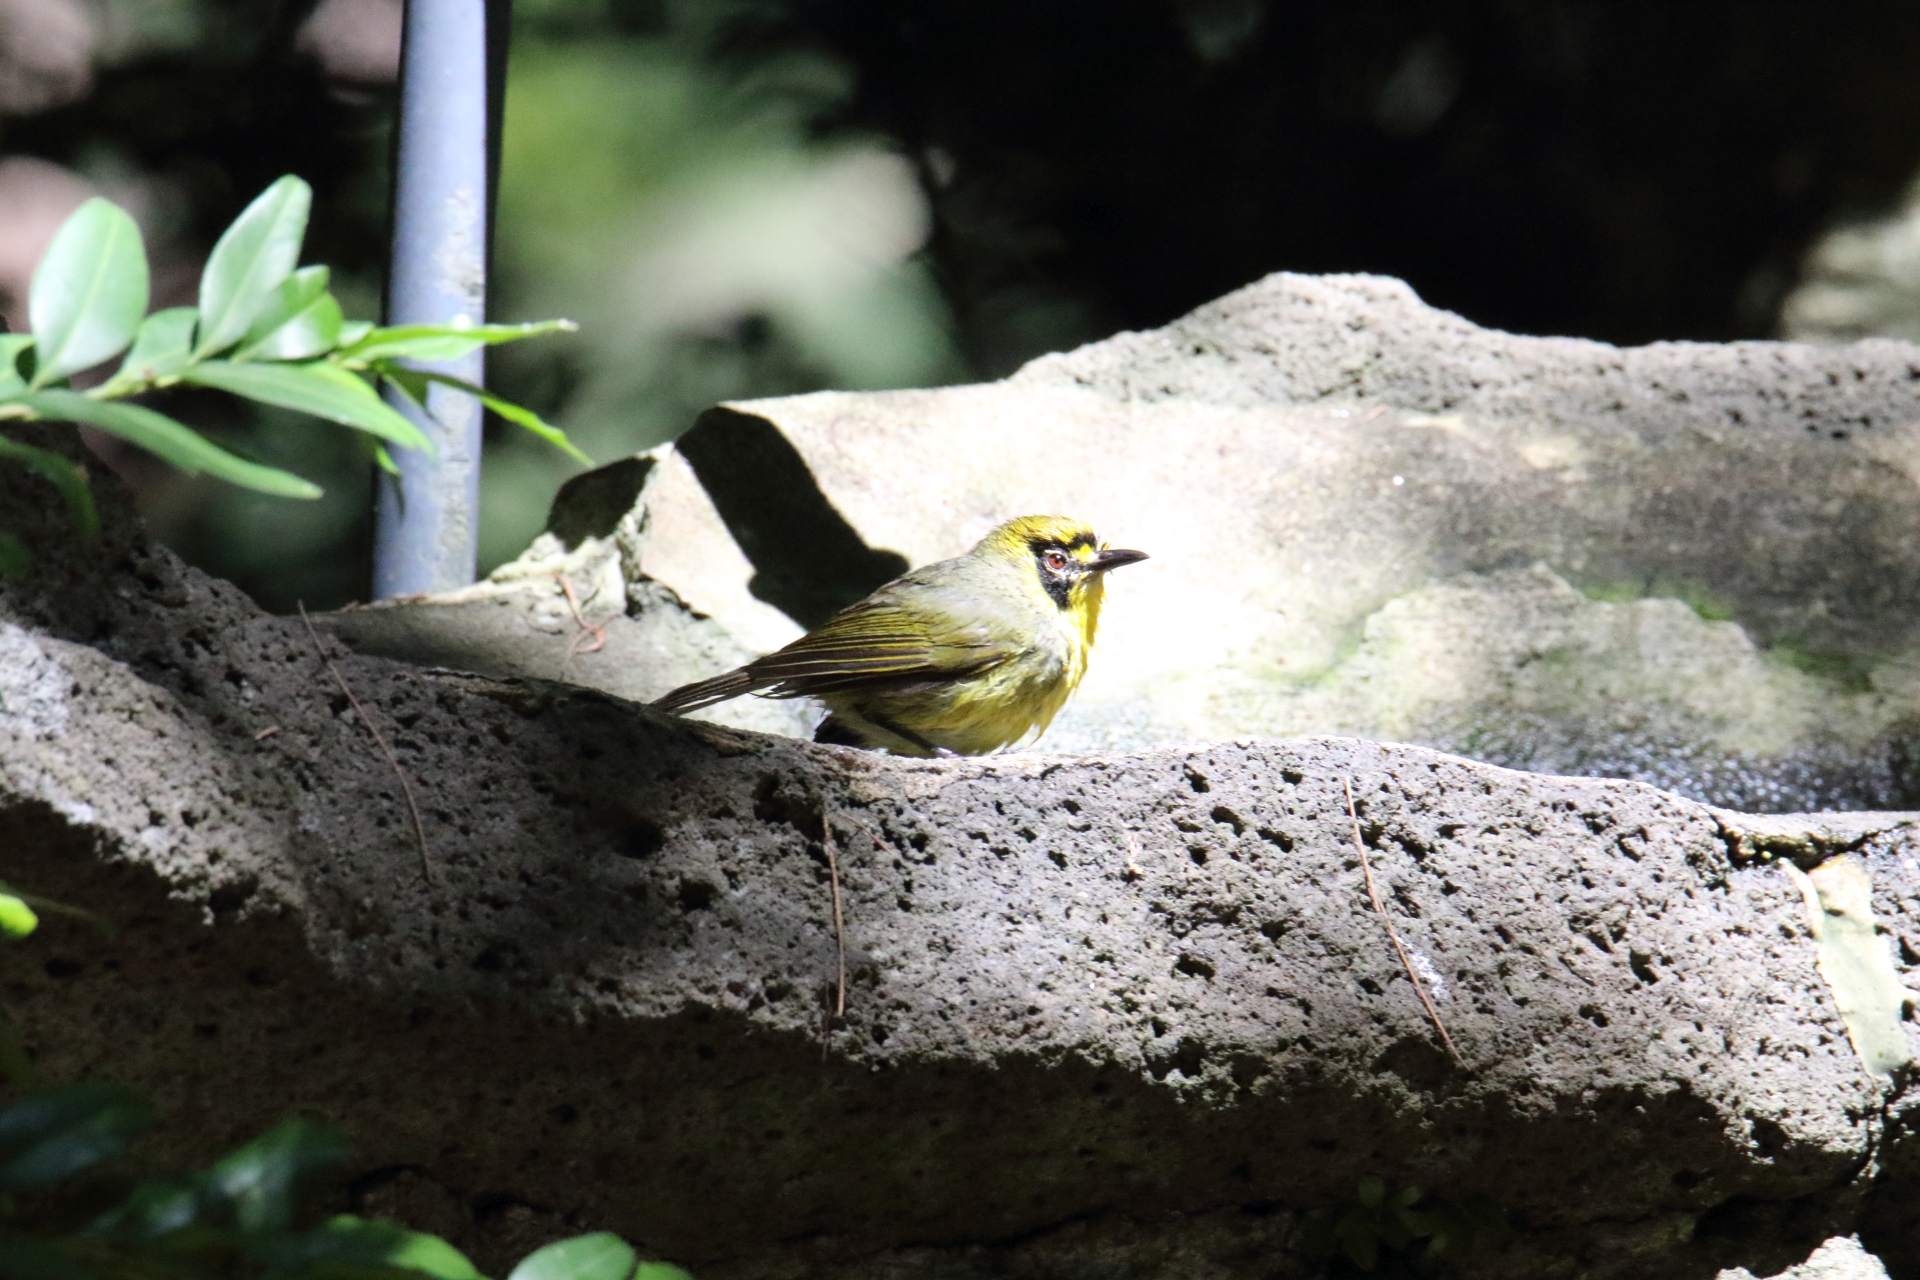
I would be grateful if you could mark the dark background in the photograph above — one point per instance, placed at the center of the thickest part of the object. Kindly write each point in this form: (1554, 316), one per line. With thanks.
(1625, 171)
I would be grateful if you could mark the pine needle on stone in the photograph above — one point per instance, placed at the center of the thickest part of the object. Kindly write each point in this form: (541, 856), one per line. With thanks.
(406, 788)
(1380, 909)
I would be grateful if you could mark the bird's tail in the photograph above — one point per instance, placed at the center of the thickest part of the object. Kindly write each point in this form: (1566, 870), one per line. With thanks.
(704, 693)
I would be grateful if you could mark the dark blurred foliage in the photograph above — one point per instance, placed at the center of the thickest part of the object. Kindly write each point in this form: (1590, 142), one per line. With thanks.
(1628, 170)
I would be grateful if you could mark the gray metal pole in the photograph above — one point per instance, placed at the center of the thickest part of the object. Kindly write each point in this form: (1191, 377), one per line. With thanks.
(425, 528)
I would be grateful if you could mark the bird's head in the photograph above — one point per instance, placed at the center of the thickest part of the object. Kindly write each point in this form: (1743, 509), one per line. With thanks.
(1063, 558)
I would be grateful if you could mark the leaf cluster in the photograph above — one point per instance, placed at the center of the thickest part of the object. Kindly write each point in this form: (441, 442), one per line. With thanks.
(236, 1220)
(262, 329)
(1381, 1218)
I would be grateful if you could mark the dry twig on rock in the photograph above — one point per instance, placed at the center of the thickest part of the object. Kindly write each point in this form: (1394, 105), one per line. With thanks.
(413, 808)
(839, 933)
(1380, 909)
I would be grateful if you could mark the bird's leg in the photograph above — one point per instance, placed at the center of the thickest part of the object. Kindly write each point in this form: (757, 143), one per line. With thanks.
(905, 734)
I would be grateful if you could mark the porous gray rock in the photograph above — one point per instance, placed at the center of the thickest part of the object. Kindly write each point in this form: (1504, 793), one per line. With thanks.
(1126, 1015)
(1690, 564)
(1840, 1258)
(574, 607)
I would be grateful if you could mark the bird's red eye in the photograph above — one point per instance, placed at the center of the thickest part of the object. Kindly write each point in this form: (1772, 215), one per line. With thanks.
(1056, 560)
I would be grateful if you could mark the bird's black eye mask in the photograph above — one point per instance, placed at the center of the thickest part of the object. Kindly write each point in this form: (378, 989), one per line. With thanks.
(1059, 567)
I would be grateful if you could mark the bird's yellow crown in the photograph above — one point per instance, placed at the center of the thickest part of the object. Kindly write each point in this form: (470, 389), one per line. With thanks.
(1029, 540)
(1020, 536)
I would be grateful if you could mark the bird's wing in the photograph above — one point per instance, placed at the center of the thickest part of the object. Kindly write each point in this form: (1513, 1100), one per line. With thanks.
(874, 642)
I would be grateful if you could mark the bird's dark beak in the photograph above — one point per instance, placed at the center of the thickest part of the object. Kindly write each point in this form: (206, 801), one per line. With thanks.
(1106, 560)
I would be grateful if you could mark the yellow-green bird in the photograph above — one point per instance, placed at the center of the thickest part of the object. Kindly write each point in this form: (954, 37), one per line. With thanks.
(961, 657)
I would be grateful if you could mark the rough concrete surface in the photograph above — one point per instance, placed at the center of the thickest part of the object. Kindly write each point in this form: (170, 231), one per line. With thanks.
(1689, 564)
(1118, 1015)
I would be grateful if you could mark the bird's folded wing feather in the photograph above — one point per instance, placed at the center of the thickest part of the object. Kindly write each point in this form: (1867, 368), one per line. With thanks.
(871, 643)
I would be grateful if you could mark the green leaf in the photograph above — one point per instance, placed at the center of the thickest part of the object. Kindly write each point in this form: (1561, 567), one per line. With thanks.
(354, 330)
(260, 1179)
(435, 342)
(11, 345)
(54, 1134)
(1372, 1191)
(292, 296)
(353, 1244)
(14, 559)
(600, 1256)
(180, 445)
(1364, 1250)
(16, 917)
(413, 382)
(160, 350)
(659, 1271)
(301, 321)
(53, 908)
(321, 389)
(157, 1207)
(88, 293)
(66, 477)
(253, 256)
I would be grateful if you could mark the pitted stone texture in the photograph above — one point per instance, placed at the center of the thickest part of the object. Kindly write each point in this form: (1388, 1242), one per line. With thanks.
(1840, 1258)
(1126, 1013)
(1318, 463)
(574, 607)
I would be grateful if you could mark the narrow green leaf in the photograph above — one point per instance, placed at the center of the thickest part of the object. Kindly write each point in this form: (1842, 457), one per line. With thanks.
(659, 1271)
(160, 350)
(411, 382)
(321, 389)
(16, 917)
(65, 475)
(434, 342)
(354, 330)
(11, 345)
(53, 1134)
(253, 256)
(505, 408)
(88, 293)
(600, 1256)
(14, 558)
(174, 442)
(260, 1178)
(347, 1241)
(301, 321)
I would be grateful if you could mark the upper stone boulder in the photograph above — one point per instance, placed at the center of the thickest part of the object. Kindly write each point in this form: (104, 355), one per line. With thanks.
(1697, 565)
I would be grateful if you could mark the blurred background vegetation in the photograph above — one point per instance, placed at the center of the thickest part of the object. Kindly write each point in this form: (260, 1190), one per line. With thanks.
(754, 197)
